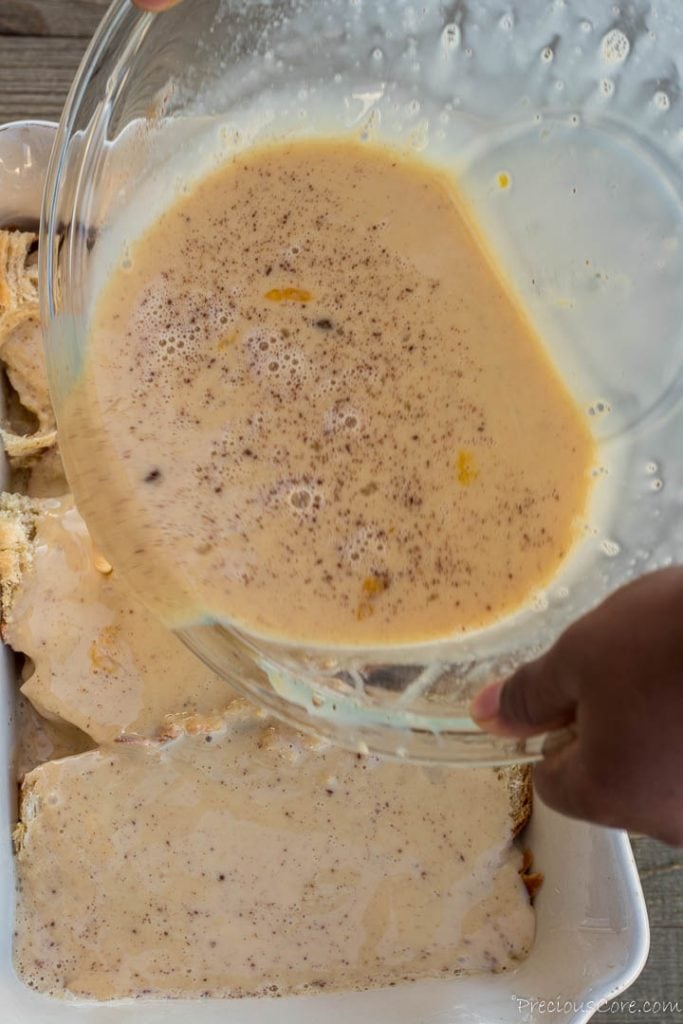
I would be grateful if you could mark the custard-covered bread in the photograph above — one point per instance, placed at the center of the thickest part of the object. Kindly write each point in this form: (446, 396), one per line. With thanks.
(101, 661)
(242, 858)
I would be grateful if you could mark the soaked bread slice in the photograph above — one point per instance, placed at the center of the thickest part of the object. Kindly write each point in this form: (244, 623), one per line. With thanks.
(242, 858)
(100, 661)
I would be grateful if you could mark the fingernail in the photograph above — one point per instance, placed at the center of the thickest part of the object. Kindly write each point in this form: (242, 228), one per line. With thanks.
(486, 705)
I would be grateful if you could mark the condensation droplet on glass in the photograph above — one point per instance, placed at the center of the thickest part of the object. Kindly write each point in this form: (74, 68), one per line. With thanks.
(450, 37)
(615, 47)
(610, 548)
(656, 484)
(547, 54)
(651, 468)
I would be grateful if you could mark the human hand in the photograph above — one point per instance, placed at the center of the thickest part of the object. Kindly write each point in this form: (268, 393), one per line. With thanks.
(616, 678)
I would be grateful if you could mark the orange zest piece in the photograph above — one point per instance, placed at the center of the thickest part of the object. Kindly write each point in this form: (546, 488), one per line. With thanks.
(374, 585)
(288, 295)
(465, 468)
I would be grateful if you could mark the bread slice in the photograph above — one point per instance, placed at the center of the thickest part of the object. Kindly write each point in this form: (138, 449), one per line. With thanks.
(18, 278)
(21, 351)
(101, 661)
(242, 858)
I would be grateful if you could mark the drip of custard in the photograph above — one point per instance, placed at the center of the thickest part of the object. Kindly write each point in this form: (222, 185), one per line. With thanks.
(311, 408)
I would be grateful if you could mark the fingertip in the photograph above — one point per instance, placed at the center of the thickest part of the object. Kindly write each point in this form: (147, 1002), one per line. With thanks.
(485, 711)
(486, 704)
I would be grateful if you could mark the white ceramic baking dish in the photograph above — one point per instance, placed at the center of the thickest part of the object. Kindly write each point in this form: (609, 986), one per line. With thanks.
(592, 932)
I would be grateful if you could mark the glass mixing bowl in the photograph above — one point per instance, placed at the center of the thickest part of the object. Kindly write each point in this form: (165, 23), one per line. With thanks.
(563, 124)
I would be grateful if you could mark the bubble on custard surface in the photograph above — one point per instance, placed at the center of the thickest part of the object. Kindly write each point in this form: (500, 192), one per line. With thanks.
(547, 54)
(300, 498)
(450, 37)
(614, 47)
(610, 548)
(365, 542)
(599, 408)
(506, 22)
(661, 100)
(342, 417)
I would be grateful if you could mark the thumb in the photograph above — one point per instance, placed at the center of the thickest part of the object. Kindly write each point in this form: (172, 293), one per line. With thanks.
(540, 696)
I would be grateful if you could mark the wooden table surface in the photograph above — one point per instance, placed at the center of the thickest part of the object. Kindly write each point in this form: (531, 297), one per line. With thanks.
(41, 44)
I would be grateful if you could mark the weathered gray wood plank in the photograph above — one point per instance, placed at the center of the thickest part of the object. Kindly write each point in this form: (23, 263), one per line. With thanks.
(35, 75)
(661, 872)
(75, 18)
